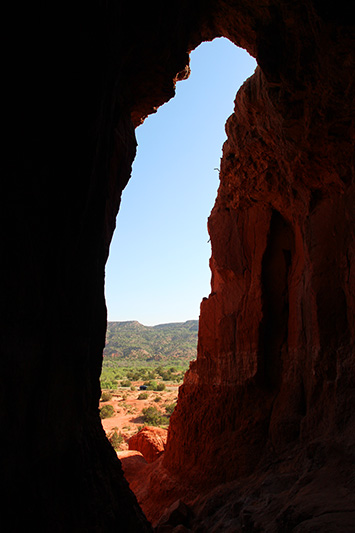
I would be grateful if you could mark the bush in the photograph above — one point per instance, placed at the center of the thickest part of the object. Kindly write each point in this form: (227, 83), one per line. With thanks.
(152, 385)
(106, 396)
(125, 383)
(153, 417)
(143, 396)
(106, 411)
(169, 409)
(109, 385)
(116, 440)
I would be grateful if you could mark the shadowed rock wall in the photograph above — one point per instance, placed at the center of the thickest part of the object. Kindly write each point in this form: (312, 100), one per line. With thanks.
(275, 363)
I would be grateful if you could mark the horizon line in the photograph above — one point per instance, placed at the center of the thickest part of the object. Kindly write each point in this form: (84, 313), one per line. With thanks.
(154, 325)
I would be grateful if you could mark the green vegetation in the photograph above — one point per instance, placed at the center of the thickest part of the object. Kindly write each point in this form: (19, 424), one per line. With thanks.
(116, 439)
(170, 408)
(133, 343)
(106, 396)
(113, 375)
(152, 355)
(106, 411)
(143, 396)
(153, 417)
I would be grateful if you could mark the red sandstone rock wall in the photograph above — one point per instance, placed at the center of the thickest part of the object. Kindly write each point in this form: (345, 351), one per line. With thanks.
(276, 339)
(275, 366)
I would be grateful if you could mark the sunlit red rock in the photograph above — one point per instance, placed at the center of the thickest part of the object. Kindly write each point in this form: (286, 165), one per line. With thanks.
(150, 442)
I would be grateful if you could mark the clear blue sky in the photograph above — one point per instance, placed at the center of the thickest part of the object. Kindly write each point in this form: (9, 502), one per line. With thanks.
(158, 268)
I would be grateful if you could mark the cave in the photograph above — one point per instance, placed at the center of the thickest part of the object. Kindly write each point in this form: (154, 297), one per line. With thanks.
(262, 438)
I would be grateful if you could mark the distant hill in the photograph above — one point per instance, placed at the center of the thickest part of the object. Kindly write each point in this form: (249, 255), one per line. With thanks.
(131, 342)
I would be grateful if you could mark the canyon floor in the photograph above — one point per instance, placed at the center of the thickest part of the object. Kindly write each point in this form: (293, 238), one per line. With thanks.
(128, 417)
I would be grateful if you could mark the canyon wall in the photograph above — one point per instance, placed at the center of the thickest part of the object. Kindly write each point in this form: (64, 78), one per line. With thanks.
(274, 376)
(276, 340)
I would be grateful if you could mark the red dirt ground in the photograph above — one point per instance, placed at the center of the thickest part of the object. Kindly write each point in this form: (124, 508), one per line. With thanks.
(128, 409)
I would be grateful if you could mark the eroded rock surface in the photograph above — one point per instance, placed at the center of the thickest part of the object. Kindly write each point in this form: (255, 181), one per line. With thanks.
(150, 441)
(272, 389)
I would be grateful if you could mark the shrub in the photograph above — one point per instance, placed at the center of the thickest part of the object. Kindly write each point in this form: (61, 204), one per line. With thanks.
(106, 396)
(169, 409)
(143, 396)
(152, 385)
(153, 417)
(125, 383)
(164, 420)
(109, 385)
(116, 440)
(106, 411)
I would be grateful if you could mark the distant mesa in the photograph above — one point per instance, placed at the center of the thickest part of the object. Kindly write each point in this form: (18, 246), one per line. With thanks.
(133, 342)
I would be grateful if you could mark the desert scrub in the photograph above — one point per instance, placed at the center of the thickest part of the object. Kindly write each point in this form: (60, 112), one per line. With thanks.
(143, 396)
(153, 385)
(106, 411)
(106, 396)
(153, 417)
(116, 440)
(169, 409)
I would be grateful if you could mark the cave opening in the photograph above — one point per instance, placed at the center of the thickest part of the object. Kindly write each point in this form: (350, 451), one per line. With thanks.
(162, 222)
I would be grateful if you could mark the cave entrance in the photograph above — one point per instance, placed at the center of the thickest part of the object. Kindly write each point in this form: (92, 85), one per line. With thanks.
(162, 224)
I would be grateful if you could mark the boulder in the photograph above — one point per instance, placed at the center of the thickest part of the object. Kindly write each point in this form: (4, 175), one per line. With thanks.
(150, 441)
(132, 463)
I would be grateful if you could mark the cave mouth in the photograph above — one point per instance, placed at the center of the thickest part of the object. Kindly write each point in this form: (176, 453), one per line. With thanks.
(173, 188)
(162, 222)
